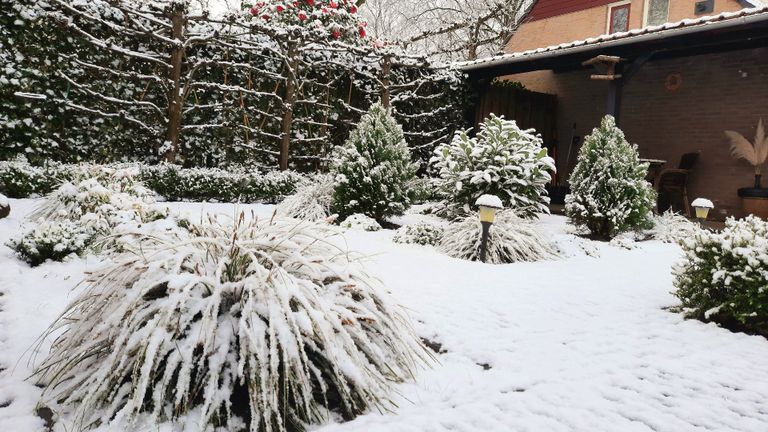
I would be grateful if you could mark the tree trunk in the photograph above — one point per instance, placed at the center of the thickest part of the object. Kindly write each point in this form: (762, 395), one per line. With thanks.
(386, 69)
(178, 20)
(289, 99)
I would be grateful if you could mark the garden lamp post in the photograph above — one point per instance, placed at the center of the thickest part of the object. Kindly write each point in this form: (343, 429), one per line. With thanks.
(702, 206)
(488, 206)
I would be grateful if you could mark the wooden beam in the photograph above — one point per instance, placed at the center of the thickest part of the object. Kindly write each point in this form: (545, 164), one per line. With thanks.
(605, 77)
(602, 59)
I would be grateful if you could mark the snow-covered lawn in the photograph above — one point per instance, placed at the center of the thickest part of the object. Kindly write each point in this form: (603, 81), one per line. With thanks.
(578, 344)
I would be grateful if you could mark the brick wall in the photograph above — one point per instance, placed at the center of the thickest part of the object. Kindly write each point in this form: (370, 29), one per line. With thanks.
(592, 22)
(718, 92)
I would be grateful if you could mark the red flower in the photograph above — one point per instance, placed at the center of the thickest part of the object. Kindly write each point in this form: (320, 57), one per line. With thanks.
(255, 10)
(353, 9)
(302, 16)
(333, 5)
(280, 8)
(311, 2)
(336, 34)
(265, 17)
(361, 31)
(296, 4)
(325, 9)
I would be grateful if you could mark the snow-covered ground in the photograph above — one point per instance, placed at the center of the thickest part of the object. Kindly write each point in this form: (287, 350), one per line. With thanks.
(579, 344)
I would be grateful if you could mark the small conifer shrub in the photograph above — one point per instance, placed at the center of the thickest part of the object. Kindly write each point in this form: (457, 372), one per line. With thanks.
(609, 193)
(373, 171)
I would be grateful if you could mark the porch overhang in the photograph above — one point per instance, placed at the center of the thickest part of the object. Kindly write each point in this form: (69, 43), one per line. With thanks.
(744, 29)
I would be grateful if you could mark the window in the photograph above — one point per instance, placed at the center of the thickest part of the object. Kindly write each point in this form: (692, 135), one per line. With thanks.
(656, 12)
(618, 17)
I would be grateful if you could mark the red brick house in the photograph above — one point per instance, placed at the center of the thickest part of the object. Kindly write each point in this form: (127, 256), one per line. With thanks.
(676, 74)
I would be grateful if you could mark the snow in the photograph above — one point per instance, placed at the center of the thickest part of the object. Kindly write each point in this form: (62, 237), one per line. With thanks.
(487, 200)
(580, 343)
(3, 201)
(702, 202)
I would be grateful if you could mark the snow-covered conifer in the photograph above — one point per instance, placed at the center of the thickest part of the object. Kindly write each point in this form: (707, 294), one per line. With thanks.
(609, 193)
(373, 169)
(502, 160)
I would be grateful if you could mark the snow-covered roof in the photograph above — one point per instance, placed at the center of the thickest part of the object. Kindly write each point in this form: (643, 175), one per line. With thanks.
(657, 32)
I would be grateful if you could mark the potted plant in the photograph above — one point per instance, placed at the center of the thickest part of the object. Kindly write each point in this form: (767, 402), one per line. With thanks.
(754, 199)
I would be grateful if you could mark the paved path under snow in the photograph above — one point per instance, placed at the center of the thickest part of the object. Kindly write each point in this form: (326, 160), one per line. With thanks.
(580, 344)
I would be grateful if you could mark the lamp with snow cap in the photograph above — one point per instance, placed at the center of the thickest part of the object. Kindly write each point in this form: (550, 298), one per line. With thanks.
(702, 206)
(488, 206)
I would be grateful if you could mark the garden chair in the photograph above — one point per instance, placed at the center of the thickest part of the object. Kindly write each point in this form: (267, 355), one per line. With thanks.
(672, 185)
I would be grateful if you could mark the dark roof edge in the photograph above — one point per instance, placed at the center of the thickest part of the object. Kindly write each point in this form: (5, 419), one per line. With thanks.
(674, 29)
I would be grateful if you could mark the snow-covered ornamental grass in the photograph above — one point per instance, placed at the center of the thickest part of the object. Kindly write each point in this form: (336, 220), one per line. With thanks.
(263, 324)
(511, 239)
(723, 276)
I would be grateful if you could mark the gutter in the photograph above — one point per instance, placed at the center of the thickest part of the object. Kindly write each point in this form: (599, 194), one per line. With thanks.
(761, 16)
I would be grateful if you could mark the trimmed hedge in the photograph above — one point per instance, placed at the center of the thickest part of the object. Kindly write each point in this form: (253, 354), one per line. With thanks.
(19, 179)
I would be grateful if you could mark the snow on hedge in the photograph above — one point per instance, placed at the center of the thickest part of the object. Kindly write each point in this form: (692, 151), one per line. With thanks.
(265, 320)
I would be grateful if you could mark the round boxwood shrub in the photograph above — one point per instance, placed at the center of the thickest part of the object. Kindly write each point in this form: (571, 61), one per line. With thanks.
(502, 160)
(723, 277)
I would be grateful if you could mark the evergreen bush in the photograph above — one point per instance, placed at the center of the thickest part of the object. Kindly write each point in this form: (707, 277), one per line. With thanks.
(373, 169)
(421, 233)
(723, 277)
(19, 179)
(52, 240)
(609, 193)
(502, 160)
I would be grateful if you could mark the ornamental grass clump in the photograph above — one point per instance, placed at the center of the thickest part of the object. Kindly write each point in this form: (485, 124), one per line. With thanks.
(373, 171)
(311, 201)
(511, 239)
(609, 193)
(723, 277)
(264, 323)
(502, 160)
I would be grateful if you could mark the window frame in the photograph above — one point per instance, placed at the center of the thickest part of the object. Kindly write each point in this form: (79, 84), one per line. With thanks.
(647, 10)
(627, 4)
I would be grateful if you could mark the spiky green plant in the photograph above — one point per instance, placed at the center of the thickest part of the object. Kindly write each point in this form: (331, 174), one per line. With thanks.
(267, 322)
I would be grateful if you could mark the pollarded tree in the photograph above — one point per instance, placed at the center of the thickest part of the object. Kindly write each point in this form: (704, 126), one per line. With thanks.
(609, 193)
(373, 170)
